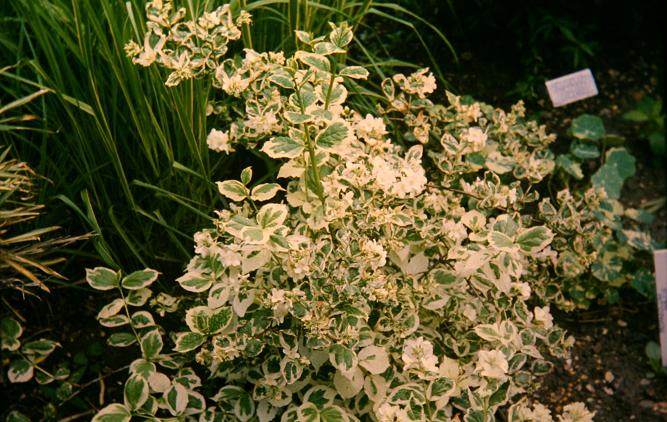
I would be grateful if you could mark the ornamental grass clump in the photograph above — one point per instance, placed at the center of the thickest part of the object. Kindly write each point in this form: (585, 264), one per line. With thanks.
(401, 266)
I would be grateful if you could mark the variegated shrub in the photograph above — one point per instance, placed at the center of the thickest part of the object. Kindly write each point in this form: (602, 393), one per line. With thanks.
(401, 267)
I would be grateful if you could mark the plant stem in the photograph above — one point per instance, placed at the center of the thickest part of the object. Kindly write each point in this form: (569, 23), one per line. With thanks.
(311, 148)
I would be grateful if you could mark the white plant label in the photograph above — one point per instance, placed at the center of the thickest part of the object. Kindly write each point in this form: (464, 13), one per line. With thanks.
(573, 87)
(660, 261)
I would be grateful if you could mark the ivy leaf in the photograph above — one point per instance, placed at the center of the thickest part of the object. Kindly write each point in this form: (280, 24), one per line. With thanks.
(619, 165)
(20, 370)
(101, 278)
(113, 413)
(139, 279)
(587, 127)
(584, 150)
(571, 167)
(330, 137)
(10, 331)
(234, 190)
(283, 147)
(135, 392)
(534, 239)
(186, 342)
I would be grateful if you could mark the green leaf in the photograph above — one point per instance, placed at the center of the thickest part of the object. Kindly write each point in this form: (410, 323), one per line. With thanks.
(233, 189)
(20, 370)
(330, 137)
(354, 72)
(151, 344)
(283, 147)
(643, 281)
(113, 413)
(135, 392)
(265, 191)
(439, 388)
(636, 115)
(244, 408)
(16, 416)
(143, 368)
(186, 342)
(121, 339)
(10, 331)
(312, 60)
(571, 167)
(297, 118)
(139, 279)
(584, 150)
(326, 48)
(272, 215)
(534, 239)
(101, 278)
(587, 127)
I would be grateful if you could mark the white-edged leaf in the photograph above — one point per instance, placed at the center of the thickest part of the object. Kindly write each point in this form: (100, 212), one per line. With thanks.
(283, 147)
(10, 331)
(20, 370)
(41, 348)
(188, 341)
(272, 215)
(349, 386)
(113, 413)
(342, 358)
(312, 60)
(135, 392)
(111, 309)
(176, 399)
(203, 320)
(159, 382)
(501, 241)
(331, 136)
(265, 191)
(151, 344)
(354, 72)
(195, 281)
(242, 302)
(233, 189)
(121, 339)
(143, 368)
(139, 279)
(101, 278)
(138, 297)
(534, 239)
(115, 321)
(374, 359)
(142, 319)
